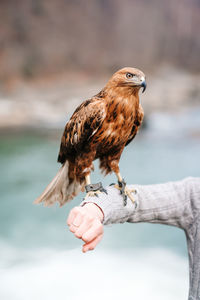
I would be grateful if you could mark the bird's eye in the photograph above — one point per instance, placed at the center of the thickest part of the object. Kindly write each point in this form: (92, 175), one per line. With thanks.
(129, 75)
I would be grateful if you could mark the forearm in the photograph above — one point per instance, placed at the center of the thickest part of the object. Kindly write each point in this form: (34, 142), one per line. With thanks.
(173, 203)
(168, 203)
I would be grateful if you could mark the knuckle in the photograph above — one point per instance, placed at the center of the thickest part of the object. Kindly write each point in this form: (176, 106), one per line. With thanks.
(89, 218)
(80, 211)
(100, 227)
(85, 238)
(77, 209)
(77, 234)
(84, 215)
(71, 229)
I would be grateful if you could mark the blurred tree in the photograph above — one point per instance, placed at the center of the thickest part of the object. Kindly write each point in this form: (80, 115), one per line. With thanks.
(38, 36)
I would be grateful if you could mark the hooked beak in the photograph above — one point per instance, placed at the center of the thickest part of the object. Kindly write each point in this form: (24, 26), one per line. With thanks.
(144, 85)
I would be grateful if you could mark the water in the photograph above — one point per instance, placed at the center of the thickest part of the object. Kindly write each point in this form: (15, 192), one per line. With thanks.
(40, 258)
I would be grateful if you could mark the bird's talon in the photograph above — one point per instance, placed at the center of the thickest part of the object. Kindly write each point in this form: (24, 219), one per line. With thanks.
(104, 191)
(125, 192)
(125, 199)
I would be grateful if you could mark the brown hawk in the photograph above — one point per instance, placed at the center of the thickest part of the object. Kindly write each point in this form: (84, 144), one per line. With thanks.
(99, 128)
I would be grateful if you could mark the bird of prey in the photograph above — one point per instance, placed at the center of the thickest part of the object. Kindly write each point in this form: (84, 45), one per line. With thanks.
(99, 128)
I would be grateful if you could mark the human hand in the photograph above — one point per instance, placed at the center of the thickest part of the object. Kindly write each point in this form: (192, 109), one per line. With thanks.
(86, 224)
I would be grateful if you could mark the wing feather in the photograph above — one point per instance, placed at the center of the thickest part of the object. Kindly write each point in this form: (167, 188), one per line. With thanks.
(84, 123)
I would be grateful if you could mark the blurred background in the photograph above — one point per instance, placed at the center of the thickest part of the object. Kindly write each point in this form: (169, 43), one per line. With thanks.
(53, 55)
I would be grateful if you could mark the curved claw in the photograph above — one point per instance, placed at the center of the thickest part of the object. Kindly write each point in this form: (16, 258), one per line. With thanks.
(124, 198)
(125, 192)
(104, 191)
(122, 185)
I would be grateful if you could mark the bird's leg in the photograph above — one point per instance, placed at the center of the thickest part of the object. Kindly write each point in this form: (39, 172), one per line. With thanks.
(124, 191)
(93, 189)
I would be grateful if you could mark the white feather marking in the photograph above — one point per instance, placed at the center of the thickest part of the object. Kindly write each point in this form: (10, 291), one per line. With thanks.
(76, 138)
(108, 132)
(94, 132)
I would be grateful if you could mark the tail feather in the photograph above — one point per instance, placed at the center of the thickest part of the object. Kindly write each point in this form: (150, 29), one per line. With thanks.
(59, 189)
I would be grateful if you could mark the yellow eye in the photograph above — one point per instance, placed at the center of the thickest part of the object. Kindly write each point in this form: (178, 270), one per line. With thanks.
(129, 75)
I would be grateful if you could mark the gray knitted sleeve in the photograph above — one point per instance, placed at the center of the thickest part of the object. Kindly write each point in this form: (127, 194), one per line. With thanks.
(168, 203)
(173, 203)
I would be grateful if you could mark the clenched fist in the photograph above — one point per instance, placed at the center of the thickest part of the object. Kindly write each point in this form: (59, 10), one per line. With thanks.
(86, 224)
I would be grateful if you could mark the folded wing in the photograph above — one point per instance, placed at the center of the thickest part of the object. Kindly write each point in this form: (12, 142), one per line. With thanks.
(84, 123)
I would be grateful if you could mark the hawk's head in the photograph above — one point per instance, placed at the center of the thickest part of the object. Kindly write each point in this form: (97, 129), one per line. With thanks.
(129, 77)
